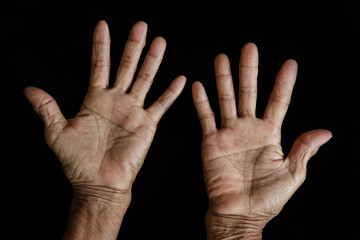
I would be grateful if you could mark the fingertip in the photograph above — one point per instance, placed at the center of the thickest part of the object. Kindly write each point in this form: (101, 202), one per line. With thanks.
(249, 55)
(158, 47)
(179, 83)
(330, 134)
(196, 85)
(325, 136)
(198, 92)
(182, 78)
(36, 97)
(222, 64)
(291, 62)
(221, 59)
(316, 139)
(26, 90)
(101, 31)
(30, 92)
(102, 23)
(160, 40)
(288, 71)
(249, 47)
(290, 66)
(138, 31)
(141, 24)
(197, 88)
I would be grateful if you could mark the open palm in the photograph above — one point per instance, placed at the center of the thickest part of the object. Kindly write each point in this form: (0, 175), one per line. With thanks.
(106, 143)
(246, 173)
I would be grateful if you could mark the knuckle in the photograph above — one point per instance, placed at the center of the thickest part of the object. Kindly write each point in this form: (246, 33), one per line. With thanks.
(246, 112)
(226, 97)
(279, 99)
(127, 64)
(98, 63)
(223, 77)
(247, 89)
(163, 102)
(143, 76)
(205, 116)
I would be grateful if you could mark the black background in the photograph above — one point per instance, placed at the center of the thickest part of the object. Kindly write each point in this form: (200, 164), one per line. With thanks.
(49, 45)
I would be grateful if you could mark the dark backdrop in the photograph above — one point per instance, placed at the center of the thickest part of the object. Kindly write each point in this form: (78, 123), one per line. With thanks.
(49, 45)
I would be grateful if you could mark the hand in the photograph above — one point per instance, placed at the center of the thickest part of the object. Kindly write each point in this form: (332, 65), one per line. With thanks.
(246, 174)
(104, 145)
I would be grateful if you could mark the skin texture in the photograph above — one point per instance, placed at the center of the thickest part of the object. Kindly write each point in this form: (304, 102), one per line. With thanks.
(104, 146)
(247, 176)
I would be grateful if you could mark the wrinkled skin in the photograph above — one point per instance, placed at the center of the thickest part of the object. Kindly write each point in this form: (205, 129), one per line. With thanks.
(246, 173)
(105, 144)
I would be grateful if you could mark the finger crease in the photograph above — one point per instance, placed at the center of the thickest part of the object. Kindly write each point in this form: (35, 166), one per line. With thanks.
(247, 90)
(137, 42)
(206, 116)
(279, 100)
(157, 58)
(226, 98)
(223, 75)
(145, 77)
(127, 64)
(202, 101)
(42, 105)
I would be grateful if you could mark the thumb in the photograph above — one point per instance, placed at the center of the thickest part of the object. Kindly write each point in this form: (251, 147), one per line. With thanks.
(47, 108)
(304, 147)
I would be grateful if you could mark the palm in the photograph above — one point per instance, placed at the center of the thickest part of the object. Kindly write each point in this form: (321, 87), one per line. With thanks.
(105, 144)
(253, 165)
(245, 171)
(107, 141)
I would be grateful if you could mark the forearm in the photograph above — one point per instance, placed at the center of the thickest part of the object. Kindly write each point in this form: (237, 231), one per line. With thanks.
(96, 214)
(232, 227)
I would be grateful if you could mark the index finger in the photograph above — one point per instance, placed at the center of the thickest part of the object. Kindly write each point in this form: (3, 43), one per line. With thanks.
(100, 57)
(280, 97)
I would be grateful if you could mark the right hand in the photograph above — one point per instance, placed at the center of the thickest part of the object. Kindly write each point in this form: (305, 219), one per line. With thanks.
(246, 173)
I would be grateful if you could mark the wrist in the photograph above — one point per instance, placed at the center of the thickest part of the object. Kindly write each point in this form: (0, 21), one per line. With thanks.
(231, 226)
(96, 212)
(95, 195)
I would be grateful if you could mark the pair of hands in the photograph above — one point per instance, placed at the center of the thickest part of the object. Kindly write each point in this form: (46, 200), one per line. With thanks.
(101, 149)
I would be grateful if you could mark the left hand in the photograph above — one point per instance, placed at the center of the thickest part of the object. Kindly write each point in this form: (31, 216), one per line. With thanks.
(104, 146)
